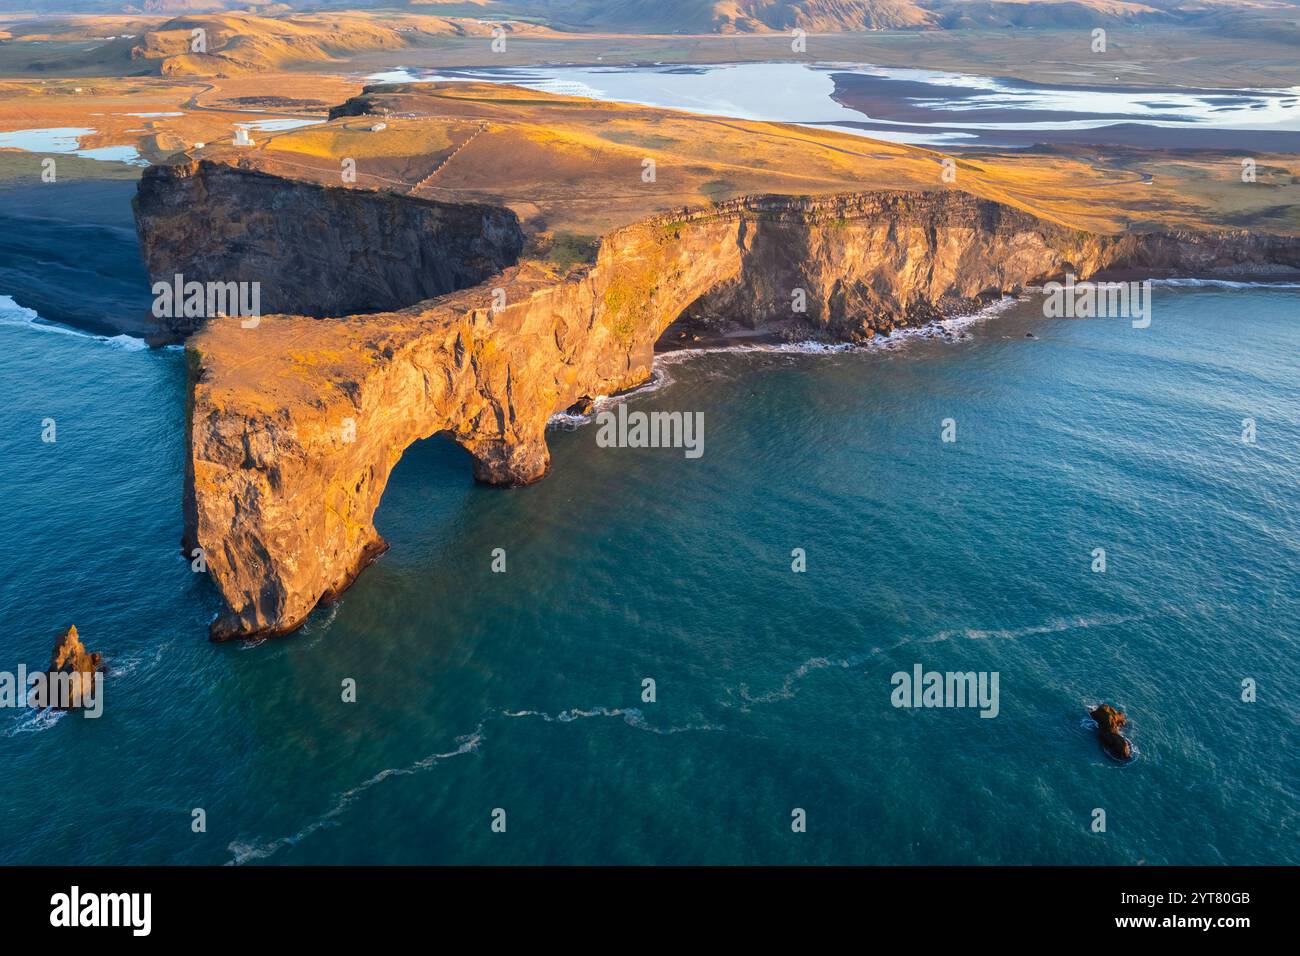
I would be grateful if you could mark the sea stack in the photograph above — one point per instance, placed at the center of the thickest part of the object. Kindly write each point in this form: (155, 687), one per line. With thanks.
(1110, 723)
(71, 657)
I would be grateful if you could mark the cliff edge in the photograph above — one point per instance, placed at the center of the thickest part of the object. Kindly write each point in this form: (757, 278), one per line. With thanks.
(438, 325)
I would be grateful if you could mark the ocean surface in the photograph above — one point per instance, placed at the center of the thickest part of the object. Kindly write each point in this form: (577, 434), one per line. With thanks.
(523, 691)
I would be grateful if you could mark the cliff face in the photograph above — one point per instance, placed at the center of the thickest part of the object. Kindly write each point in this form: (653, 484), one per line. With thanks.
(314, 250)
(1239, 255)
(295, 425)
(865, 263)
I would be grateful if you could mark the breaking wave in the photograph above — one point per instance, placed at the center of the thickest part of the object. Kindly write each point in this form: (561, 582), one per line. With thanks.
(1222, 284)
(33, 721)
(11, 313)
(950, 329)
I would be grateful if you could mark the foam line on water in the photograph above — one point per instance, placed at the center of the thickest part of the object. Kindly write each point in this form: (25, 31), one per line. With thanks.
(244, 852)
(1221, 284)
(631, 716)
(788, 689)
(131, 664)
(33, 721)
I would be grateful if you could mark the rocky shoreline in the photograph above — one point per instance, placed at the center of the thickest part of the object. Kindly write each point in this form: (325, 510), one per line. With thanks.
(295, 425)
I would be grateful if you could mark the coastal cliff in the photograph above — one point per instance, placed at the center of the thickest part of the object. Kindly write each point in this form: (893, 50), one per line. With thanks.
(312, 249)
(295, 425)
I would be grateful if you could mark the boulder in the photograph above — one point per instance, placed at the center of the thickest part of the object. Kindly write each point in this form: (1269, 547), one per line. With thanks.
(71, 657)
(1110, 724)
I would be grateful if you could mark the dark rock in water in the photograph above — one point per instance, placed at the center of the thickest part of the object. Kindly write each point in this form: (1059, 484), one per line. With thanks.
(71, 665)
(1110, 723)
(157, 340)
(583, 406)
(1030, 335)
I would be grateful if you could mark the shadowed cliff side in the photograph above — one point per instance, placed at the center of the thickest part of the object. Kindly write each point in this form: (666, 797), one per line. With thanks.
(314, 249)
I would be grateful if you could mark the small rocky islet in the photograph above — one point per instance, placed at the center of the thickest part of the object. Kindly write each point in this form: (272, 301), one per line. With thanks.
(1110, 725)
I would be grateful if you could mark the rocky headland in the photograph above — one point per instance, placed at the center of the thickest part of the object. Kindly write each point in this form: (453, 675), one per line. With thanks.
(397, 317)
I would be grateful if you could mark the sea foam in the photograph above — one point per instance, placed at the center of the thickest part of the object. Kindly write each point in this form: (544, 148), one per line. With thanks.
(11, 313)
(947, 330)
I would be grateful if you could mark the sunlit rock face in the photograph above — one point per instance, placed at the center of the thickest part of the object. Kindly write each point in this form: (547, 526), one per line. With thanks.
(296, 422)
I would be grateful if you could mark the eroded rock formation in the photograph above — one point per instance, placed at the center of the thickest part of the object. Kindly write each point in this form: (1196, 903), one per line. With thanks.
(295, 425)
(70, 681)
(1110, 726)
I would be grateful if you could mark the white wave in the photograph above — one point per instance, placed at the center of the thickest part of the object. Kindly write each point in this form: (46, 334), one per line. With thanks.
(126, 667)
(568, 421)
(659, 378)
(938, 329)
(128, 342)
(810, 347)
(1222, 284)
(11, 313)
(1050, 627)
(942, 330)
(787, 688)
(244, 852)
(33, 721)
(568, 716)
(129, 665)
(631, 716)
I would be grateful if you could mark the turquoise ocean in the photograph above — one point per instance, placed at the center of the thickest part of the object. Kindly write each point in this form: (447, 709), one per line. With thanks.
(523, 691)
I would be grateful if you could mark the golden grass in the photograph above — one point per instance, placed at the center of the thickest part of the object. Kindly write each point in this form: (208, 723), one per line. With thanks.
(358, 142)
(579, 167)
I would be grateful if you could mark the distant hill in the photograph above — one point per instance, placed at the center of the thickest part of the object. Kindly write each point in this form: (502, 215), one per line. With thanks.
(711, 16)
(813, 16)
(175, 7)
(157, 7)
(986, 14)
(1242, 17)
(237, 43)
